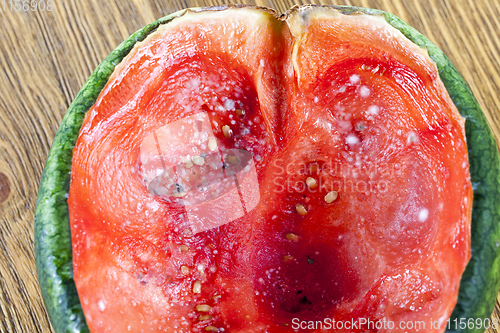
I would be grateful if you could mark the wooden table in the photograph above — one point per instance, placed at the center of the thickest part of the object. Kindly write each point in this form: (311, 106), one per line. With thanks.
(46, 56)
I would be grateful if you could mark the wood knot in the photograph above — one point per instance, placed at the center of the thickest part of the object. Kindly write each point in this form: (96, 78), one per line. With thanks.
(4, 187)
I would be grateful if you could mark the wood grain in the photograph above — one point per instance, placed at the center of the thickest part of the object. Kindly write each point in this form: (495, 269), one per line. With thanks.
(45, 57)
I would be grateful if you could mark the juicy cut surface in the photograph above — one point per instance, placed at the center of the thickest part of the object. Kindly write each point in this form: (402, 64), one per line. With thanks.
(355, 203)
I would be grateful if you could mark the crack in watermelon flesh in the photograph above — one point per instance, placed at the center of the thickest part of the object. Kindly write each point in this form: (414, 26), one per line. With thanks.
(324, 103)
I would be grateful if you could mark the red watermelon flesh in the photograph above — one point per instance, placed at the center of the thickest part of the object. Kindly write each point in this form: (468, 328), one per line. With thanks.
(324, 103)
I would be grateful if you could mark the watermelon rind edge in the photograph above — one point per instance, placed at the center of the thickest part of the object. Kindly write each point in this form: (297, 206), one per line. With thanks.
(481, 280)
(53, 251)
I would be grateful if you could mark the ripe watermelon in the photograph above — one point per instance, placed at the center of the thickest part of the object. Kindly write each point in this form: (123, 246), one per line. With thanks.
(320, 88)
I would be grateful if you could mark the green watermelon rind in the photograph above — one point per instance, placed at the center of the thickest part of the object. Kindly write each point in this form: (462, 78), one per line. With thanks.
(480, 281)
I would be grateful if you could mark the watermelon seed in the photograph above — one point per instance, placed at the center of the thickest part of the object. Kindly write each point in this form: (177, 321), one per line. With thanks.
(211, 329)
(292, 237)
(204, 317)
(184, 270)
(227, 131)
(240, 112)
(331, 196)
(304, 300)
(179, 193)
(198, 160)
(187, 162)
(184, 248)
(212, 144)
(300, 209)
(203, 308)
(187, 232)
(288, 258)
(197, 287)
(311, 182)
(232, 159)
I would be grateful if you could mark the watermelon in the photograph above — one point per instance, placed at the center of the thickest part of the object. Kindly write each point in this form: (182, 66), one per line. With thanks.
(342, 141)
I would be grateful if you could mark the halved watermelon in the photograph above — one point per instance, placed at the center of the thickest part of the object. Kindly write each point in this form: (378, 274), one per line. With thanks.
(240, 172)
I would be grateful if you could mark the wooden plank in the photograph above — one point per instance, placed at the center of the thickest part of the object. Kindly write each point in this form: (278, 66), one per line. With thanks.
(46, 56)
